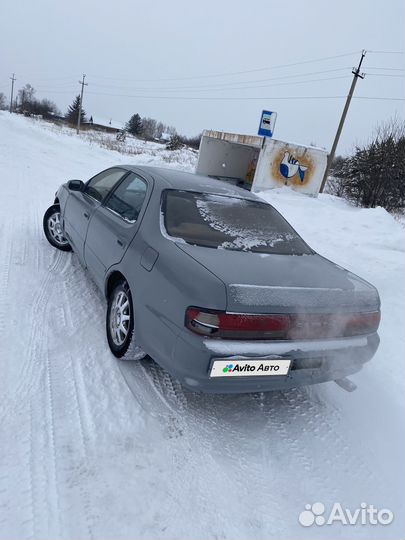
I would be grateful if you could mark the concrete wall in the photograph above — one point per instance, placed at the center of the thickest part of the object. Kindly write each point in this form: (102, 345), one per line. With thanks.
(281, 163)
(222, 158)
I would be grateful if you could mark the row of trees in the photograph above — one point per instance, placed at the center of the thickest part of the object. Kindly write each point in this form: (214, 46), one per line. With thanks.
(375, 174)
(145, 128)
(151, 129)
(27, 103)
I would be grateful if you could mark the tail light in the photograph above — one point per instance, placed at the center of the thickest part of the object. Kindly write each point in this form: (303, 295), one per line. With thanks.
(220, 324)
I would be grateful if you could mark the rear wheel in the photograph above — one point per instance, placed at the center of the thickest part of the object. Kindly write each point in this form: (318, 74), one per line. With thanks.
(53, 229)
(120, 324)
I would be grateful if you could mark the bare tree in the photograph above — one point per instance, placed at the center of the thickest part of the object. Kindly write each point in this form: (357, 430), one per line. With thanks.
(149, 128)
(171, 130)
(193, 142)
(3, 102)
(160, 128)
(374, 174)
(26, 96)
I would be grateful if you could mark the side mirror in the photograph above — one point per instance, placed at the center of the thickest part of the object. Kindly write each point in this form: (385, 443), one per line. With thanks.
(76, 185)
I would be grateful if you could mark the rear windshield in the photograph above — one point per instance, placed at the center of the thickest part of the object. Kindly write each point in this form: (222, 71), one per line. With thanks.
(217, 221)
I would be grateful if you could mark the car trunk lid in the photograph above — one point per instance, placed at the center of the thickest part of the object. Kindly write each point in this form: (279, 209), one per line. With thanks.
(272, 283)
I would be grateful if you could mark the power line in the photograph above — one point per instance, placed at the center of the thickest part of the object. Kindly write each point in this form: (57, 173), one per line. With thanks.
(378, 97)
(240, 98)
(387, 52)
(387, 69)
(225, 85)
(384, 75)
(290, 83)
(212, 85)
(216, 88)
(276, 84)
(39, 78)
(229, 73)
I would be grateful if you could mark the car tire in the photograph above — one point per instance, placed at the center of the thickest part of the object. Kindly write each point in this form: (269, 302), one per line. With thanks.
(53, 230)
(120, 322)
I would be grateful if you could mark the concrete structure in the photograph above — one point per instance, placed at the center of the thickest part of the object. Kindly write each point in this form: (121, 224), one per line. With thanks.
(260, 163)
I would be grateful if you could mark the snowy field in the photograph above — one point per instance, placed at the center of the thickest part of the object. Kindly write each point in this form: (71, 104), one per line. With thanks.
(95, 448)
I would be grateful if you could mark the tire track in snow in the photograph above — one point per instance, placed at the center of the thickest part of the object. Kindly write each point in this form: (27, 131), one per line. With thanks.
(206, 447)
(6, 252)
(35, 348)
(61, 484)
(163, 398)
(67, 423)
(85, 495)
(37, 478)
(255, 442)
(54, 510)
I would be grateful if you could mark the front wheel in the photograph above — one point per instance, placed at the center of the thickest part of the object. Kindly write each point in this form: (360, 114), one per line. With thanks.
(53, 229)
(120, 324)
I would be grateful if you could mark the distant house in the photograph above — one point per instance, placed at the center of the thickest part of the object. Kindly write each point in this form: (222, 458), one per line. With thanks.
(100, 124)
(165, 137)
(55, 116)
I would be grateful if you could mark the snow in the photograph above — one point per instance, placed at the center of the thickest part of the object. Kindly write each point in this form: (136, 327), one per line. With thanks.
(217, 212)
(108, 122)
(95, 448)
(289, 297)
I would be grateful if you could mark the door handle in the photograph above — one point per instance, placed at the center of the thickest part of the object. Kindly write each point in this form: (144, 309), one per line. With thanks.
(120, 243)
(86, 215)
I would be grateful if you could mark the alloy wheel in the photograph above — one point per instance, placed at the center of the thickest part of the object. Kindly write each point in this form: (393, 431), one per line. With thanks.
(120, 315)
(55, 229)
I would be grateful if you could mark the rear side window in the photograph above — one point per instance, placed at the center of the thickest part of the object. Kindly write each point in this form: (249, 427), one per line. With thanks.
(217, 221)
(127, 199)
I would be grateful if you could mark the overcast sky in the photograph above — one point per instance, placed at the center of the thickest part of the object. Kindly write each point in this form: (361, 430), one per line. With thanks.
(148, 57)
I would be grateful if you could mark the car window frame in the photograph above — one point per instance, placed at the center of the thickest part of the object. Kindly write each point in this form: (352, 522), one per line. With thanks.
(144, 203)
(126, 172)
(165, 233)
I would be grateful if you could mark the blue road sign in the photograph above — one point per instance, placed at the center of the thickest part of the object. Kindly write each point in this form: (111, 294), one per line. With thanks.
(267, 121)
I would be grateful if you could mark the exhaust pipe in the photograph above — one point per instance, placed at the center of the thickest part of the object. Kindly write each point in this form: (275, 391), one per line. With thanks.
(346, 384)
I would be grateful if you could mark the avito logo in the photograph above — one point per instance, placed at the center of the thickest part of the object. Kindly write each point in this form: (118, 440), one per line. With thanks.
(364, 515)
(230, 368)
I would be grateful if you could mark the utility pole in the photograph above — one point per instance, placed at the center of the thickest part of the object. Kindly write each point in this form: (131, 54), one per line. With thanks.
(81, 101)
(13, 79)
(331, 156)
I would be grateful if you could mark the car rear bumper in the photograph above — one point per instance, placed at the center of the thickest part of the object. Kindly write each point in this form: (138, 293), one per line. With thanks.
(312, 361)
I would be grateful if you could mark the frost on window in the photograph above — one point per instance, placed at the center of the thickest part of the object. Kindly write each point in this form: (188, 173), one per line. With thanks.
(228, 215)
(231, 223)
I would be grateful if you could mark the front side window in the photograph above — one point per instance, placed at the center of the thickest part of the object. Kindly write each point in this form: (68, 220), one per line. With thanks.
(218, 221)
(127, 199)
(101, 184)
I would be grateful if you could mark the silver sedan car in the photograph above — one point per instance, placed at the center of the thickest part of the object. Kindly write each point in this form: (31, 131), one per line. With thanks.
(212, 282)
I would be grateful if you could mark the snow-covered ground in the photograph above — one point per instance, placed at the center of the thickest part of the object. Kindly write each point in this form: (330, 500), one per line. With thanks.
(95, 448)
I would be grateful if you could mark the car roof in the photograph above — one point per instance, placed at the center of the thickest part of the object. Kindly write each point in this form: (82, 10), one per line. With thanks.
(187, 181)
